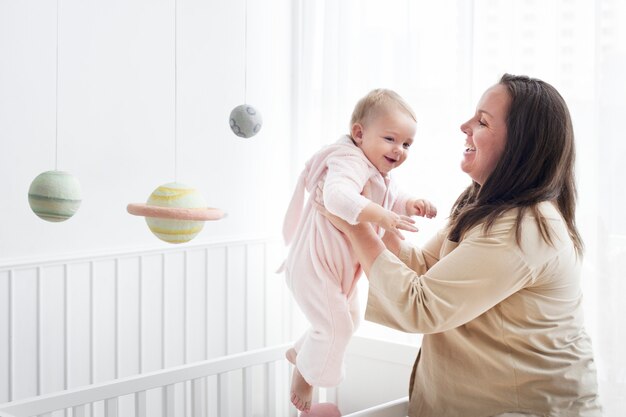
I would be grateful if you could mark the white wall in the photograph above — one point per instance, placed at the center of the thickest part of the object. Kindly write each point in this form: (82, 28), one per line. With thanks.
(116, 116)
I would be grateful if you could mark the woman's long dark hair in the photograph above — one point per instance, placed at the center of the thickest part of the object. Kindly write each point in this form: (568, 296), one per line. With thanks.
(537, 165)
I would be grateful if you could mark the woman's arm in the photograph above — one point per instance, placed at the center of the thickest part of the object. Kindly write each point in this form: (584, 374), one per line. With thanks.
(367, 245)
(468, 280)
(364, 240)
(417, 292)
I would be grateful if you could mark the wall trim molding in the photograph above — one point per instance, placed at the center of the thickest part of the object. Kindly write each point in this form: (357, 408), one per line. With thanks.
(120, 253)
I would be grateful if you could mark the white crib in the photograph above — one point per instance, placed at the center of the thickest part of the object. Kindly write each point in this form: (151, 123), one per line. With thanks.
(175, 331)
(254, 383)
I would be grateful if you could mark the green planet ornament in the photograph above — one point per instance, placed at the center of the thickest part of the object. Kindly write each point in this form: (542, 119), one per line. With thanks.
(245, 121)
(175, 212)
(54, 196)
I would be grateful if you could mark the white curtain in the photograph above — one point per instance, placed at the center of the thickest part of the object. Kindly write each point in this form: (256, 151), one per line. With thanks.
(441, 56)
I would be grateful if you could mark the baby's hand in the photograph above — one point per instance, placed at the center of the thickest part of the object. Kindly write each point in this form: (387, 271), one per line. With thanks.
(393, 223)
(421, 207)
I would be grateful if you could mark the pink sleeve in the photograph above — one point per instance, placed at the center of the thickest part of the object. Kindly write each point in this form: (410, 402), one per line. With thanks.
(345, 179)
(399, 199)
(399, 205)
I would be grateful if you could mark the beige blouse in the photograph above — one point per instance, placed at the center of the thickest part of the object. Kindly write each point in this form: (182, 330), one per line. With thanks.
(502, 323)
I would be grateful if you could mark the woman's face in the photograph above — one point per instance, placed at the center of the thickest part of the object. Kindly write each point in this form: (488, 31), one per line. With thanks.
(486, 134)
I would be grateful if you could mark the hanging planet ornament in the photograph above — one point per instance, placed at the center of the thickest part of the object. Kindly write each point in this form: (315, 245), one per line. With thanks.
(175, 212)
(245, 121)
(54, 196)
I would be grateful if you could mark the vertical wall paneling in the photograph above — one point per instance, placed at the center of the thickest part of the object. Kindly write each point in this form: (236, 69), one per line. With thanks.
(65, 333)
(236, 296)
(52, 324)
(152, 307)
(77, 323)
(173, 308)
(24, 332)
(5, 334)
(92, 329)
(38, 328)
(255, 323)
(104, 320)
(196, 306)
(275, 285)
(129, 331)
(216, 284)
(255, 290)
(154, 399)
(140, 317)
(235, 324)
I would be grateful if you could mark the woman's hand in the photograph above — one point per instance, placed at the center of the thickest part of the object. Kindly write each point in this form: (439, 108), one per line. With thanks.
(339, 223)
(366, 244)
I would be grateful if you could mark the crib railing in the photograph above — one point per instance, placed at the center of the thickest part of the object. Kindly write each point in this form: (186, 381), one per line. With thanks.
(182, 391)
(250, 384)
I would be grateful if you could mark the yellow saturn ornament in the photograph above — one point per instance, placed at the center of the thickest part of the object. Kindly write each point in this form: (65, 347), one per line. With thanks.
(175, 212)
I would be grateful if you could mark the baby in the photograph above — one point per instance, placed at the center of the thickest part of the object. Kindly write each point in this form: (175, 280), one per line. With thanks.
(321, 269)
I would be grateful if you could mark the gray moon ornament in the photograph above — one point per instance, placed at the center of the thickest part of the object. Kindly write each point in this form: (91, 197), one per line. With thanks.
(245, 121)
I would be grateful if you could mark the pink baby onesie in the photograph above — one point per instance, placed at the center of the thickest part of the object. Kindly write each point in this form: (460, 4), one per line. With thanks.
(321, 269)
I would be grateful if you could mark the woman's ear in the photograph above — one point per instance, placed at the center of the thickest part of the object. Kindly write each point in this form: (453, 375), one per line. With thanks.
(357, 133)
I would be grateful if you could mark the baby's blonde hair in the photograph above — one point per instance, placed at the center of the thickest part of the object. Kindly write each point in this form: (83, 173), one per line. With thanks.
(375, 101)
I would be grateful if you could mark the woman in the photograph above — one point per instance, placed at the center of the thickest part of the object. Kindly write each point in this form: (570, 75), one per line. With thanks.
(497, 292)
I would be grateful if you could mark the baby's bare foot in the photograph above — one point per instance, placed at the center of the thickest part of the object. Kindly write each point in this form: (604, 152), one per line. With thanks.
(291, 354)
(301, 391)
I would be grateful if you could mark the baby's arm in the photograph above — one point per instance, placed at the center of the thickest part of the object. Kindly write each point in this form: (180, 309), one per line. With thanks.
(387, 219)
(421, 207)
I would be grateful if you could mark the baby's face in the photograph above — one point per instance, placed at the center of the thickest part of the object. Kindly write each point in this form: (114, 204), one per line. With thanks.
(385, 139)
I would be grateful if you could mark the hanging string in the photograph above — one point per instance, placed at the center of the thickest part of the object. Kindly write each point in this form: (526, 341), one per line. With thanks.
(409, 46)
(56, 99)
(175, 91)
(245, 54)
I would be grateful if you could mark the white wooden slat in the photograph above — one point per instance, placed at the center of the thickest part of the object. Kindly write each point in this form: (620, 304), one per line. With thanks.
(111, 407)
(236, 295)
(128, 314)
(216, 297)
(140, 404)
(154, 402)
(196, 306)
(256, 389)
(24, 333)
(151, 313)
(52, 301)
(277, 296)
(246, 391)
(268, 389)
(79, 411)
(174, 309)
(255, 290)
(212, 396)
(222, 394)
(78, 343)
(169, 404)
(104, 331)
(126, 405)
(235, 392)
(5, 335)
(198, 399)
